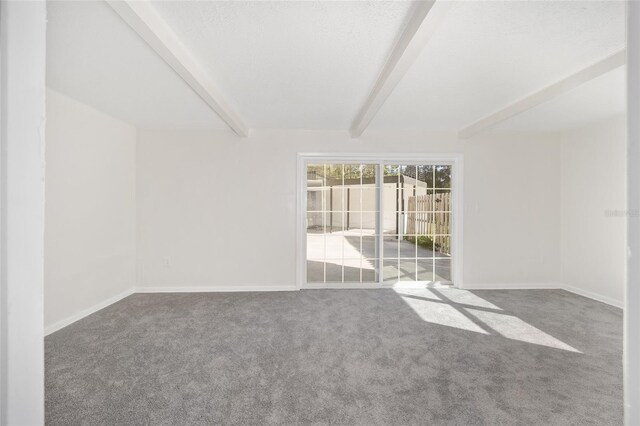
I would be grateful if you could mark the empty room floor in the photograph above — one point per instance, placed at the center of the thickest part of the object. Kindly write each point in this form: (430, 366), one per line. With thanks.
(369, 357)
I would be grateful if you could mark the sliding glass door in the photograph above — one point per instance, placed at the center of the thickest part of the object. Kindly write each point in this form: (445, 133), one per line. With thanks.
(378, 223)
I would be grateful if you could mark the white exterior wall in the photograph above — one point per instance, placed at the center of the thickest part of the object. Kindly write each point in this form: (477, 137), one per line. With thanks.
(366, 197)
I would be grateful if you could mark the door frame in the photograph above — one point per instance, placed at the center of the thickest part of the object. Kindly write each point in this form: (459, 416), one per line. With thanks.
(456, 160)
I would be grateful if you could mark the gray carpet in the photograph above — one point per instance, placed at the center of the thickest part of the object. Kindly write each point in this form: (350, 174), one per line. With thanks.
(340, 357)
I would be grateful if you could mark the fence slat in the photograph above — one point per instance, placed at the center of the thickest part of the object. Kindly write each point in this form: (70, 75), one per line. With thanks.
(430, 215)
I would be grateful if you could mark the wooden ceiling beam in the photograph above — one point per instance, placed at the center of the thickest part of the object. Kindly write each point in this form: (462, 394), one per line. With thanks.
(148, 24)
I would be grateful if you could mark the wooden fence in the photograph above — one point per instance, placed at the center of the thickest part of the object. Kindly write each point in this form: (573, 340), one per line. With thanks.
(430, 215)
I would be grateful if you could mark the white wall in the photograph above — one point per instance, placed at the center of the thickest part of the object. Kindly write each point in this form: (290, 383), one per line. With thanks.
(197, 192)
(22, 141)
(593, 206)
(632, 284)
(90, 209)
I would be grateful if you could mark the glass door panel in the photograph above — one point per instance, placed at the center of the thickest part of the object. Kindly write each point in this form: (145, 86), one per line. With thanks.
(417, 213)
(342, 215)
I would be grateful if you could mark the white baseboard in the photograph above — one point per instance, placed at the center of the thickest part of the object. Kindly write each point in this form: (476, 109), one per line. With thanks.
(594, 296)
(546, 286)
(268, 288)
(98, 306)
(86, 312)
(216, 289)
(511, 286)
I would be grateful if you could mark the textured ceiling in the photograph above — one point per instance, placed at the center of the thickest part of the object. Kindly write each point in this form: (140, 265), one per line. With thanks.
(312, 64)
(94, 57)
(599, 98)
(291, 64)
(486, 55)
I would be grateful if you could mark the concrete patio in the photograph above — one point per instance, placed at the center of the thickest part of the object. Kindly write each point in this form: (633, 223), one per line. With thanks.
(355, 251)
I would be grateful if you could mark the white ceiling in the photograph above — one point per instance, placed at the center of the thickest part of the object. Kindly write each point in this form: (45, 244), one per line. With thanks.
(597, 99)
(94, 57)
(288, 64)
(486, 55)
(312, 64)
